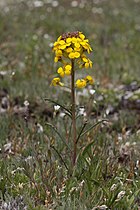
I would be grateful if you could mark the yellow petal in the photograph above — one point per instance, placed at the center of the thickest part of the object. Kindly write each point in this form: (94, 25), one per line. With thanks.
(58, 53)
(68, 40)
(85, 59)
(77, 49)
(61, 42)
(77, 54)
(56, 59)
(60, 71)
(55, 81)
(77, 45)
(72, 55)
(74, 40)
(89, 79)
(69, 49)
(62, 47)
(87, 65)
(82, 36)
(68, 72)
(80, 83)
(68, 67)
(55, 44)
(59, 38)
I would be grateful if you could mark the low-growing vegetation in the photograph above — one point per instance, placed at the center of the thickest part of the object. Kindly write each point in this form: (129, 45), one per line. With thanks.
(42, 164)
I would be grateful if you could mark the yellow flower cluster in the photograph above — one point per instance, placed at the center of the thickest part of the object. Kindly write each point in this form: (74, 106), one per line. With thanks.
(81, 83)
(70, 47)
(66, 70)
(56, 81)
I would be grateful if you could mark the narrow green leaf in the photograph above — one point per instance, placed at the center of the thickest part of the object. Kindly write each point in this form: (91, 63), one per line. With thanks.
(60, 157)
(87, 147)
(93, 126)
(55, 129)
(83, 127)
(57, 103)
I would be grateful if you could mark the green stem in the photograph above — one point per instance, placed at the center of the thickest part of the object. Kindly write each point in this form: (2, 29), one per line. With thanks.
(60, 157)
(73, 110)
(81, 132)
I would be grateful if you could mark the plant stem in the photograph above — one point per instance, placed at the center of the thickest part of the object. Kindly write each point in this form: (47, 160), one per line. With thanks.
(73, 110)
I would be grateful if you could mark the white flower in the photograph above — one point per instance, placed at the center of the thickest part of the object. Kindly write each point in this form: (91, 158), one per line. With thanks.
(92, 91)
(51, 45)
(56, 107)
(120, 195)
(55, 3)
(38, 3)
(5, 205)
(7, 147)
(74, 3)
(103, 207)
(20, 185)
(82, 111)
(81, 183)
(62, 114)
(26, 103)
(113, 187)
(39, 128)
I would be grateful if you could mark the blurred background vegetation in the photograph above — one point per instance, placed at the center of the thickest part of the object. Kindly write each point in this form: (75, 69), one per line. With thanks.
(28, 29)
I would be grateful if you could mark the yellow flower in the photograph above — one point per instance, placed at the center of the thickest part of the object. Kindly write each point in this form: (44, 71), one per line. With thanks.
(56, 46)
(61, 72)
(79, 40)
(77, 45)
(72, 46)
(87, 47)
(68, 40)
(87, 65)
(68, 69)
(73, 55)
(89, 79)
(74, 40)
(61, 42)
(77, 54)
(85, 59)
(58, 52)
(82, 36)
(81, 83)
(62, 47)
(57, 58)
(69, 50)
(84, 42)
(64, 71)
(77, 49)
(87, 62)
(59, 38)
(56, 81)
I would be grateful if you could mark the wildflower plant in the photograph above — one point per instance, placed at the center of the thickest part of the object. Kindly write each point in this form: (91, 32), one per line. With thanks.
(71, 50)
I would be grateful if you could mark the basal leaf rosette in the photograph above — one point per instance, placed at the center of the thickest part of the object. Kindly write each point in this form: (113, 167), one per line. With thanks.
(69, 48)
